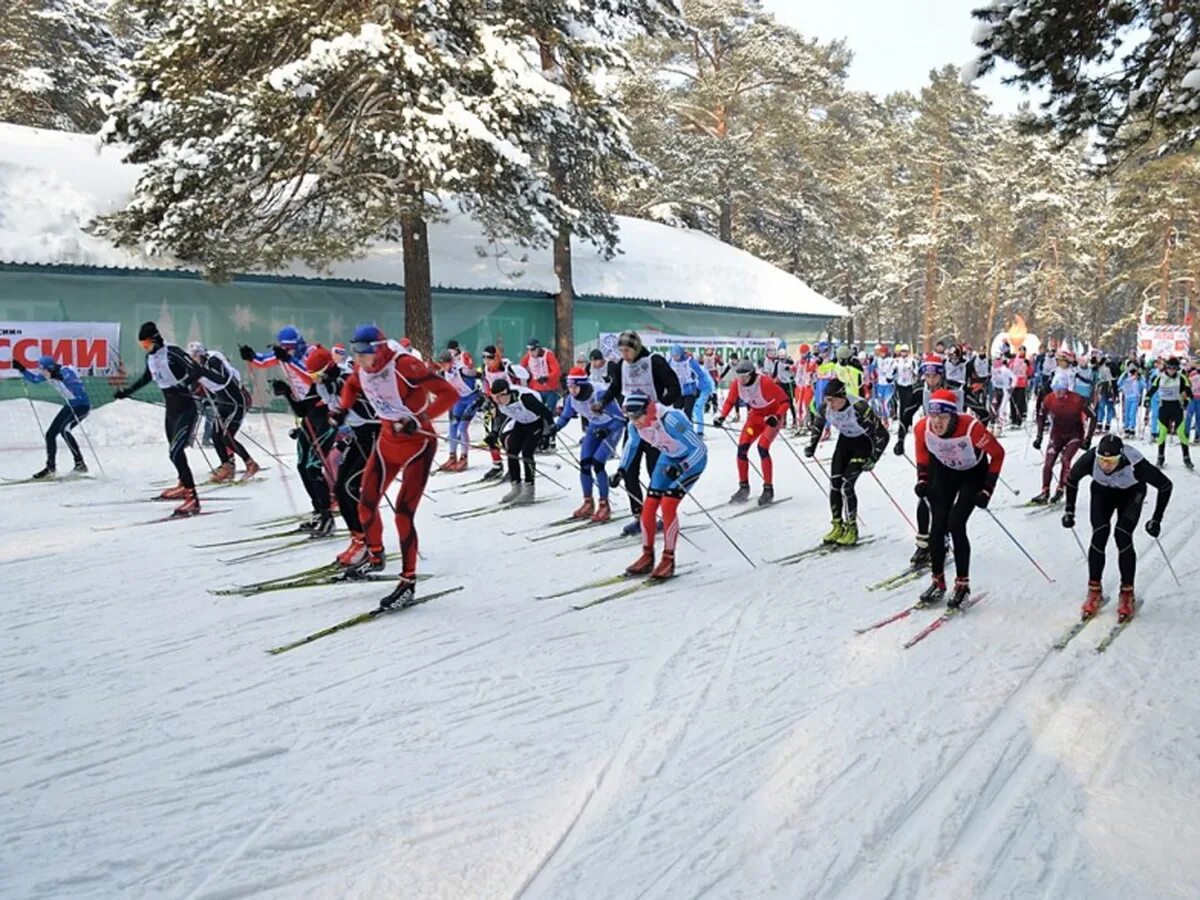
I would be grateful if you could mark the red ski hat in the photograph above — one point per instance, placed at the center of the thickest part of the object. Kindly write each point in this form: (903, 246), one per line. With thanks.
(933, 363)
(576, 375)
(943, 402)
(318, 360)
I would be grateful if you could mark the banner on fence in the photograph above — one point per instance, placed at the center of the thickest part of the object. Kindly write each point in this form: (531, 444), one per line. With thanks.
(90, 347)
(1163, 340)
(663, 342)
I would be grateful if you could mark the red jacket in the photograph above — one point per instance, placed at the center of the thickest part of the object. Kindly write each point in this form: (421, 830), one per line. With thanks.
(763, 396)
(969, 440)
(1069, 413)
(551, 378)
(424, 393)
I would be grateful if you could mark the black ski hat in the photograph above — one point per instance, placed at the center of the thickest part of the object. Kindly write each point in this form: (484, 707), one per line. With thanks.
(835, 388)
(1110, 445)
(149, 332)
(596, 354)
(500, 386)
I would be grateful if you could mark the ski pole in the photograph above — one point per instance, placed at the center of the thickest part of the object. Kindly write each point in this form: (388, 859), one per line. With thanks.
(1168, 559)
(756, 469)
(38, 418)
(857, 515)
(1012, 538)
(888, 494)
(1079, 544)
(722, 530)
(87, 437)
(803, 464)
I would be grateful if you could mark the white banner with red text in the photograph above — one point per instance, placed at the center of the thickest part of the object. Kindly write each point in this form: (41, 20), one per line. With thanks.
(92, 348)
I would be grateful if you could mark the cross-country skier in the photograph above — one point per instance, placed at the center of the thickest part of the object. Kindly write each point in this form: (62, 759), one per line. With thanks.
(313, 434)
(495, 367)
(603, 430)
(67, 382)
(1131, 387)
(782, 369)
(600, 371)
(1173, 391)
(958, 465)
(680, 459)
(526, 419)
(545, 378)
(768, 405)
(650, 374)
(464, 378)
(1120, 475)
(223, 389)
(407, 396)
(695, 384)
(1068, 412)
(169, 367)
(862, 438)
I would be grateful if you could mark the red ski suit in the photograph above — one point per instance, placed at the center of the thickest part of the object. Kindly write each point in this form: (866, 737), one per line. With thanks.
(765, 398)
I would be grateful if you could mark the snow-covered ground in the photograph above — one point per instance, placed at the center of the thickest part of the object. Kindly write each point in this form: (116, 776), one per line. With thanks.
(727, 735)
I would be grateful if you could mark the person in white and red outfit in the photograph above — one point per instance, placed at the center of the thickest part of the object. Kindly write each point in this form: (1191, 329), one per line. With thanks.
(767, 403)
(545, 377)
(1022, 371)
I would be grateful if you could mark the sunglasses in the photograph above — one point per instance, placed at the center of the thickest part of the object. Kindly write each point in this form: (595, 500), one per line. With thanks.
(1110, 460)
(363, 348)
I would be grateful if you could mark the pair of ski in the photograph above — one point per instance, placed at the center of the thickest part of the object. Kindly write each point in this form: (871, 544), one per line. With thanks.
(70, 476)
(755, 508)
(489, 509)
(172, 517)
(929, 629)
(1105, 642)
(639, 583)
(301, 539)
(818, 551)
(622, 542)
(360, 619)
(906, 576)
(320, 576)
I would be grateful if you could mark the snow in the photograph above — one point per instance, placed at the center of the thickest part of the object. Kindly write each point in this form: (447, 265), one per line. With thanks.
(52, 184)
(728, 736)
(1191, 80)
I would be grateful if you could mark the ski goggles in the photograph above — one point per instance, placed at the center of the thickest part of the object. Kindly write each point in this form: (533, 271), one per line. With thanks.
(363, 347)
(1110, 461)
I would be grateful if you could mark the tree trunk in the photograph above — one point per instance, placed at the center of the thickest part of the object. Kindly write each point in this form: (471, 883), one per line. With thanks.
(990, 328)
(931, 256)
(418, 291)
(725, 220)
(564, 302)
(1164, 290)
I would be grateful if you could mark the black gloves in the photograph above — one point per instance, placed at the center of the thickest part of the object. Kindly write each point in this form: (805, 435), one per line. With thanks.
(1068, 519)
(1037, 443)
(120, 394)
(18, 365)
(615, 479)
(281, 354)
(673, 471)
(601, 433)
(246, 353)
(719, 422)
(408, 426)
(294, 433)
(771, 421)
(1154, 528)
(983, 498)
(810, 451)
(280, 388)
(921, 489)
(55, 373)
(337, 417)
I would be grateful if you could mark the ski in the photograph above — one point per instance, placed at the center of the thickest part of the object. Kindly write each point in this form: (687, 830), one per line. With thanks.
(895, 617)
(942, 620)
(315, 571)
(1115, 631)
(360, 619)
(589, 586)
(273, 536)
(1071, 633)
(906, 576)
(171, 518)
(819, 550)
(202, 497)
(622, 541)
(646, 583)
(66, 478)
(756, 508)
(280, 548)
(324, 579)
(495, 508)
(556, 524)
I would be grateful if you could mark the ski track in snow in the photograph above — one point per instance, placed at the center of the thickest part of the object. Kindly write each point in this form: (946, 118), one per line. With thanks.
(727, 735)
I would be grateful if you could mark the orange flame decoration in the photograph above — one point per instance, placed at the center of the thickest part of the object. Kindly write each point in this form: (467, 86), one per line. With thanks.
(1017, 332)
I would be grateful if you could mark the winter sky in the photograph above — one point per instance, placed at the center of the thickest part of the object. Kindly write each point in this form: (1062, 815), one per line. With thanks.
(897, 42)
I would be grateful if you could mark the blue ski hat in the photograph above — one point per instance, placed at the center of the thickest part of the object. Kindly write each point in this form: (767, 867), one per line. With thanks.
(288, 334)
(636, 403)
(47, 362)
(366, 337)
(782, 345)
(677, 351)
(533, 344)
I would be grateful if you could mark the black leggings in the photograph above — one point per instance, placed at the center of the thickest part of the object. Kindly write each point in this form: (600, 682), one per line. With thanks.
(180, 426)
(633, 475)
(1127, 504)
(349, 477)
(520, 442)
(314, 440)
(689, 404)
(225, 429)
(68, 417)
(951, 502)
(844, 469)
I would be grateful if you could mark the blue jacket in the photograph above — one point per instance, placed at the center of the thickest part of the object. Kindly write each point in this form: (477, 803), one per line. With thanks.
(69, 384)
(610, 417)
(692, 450)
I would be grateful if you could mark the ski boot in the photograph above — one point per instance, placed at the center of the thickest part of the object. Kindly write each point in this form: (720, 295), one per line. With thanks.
(514, 492)
(665, 568)
(935, 593)
(310, 523)
(1162, 456)
(461, 465)
(355, 553)
(962, 593)
(373, 560)
(1095, 597)
(767, 497)
(921, 557)
(1187, 458)
(527, 495)
(222, 473)
(632, 528)
(252, 469)
(1041, 499)
(742, 494)
(586, 509)
(174, 493)
(404, 595)
(80, 467)
(448, 465)
(190, 505)
(496, 471)
(45, 473)
(835, 533)
(1125, 603)
(644, 564)
(1058, 495)
(603, 512)
(323, 527)
(849, 535)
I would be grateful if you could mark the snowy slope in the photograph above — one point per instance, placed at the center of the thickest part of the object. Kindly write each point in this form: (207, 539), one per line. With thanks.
(728, 736)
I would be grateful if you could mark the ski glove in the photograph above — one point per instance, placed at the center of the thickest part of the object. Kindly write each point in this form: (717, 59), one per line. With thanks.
(1068, 519)
(921, 489)
(771, 421)
(673, 472)
(1037, 443)
(899, 448)
(120, 394)
(614, 480)
(983, 498)
(601, 434)
(280, 388)
(865, 464)
(246, 353)
(408, 426)
(719, 422)
(18, 365)
(810, 451)
(1154, 528)
(281, 354)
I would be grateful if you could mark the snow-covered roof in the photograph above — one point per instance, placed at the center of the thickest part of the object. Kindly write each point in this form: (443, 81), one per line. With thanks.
(52, 183)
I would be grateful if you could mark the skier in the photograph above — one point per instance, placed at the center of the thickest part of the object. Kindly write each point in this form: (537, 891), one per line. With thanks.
(906, 376)
(768, 403)
(599, 443)
(694, 382)
(407, 396)
(885, 384)
(680, 459)
(223, 387)
(1003, 381)
(494, 368)
(526, 419)
(545, 379)
(650, 374)
(313, 435)
(933, 373)
(169, 367)
(464, 378)
(600, 371)
(1132, 387)
(781, 368)
(1120, 475)
(862, 438)
(956, 369)
(1173, 391)
(958, 465)
(1191, 419)
(67, 382)
(978, 387)
(1019, 400)
(1068, 412)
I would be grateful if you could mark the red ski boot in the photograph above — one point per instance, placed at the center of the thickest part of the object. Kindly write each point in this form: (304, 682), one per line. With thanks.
(189, 507)
(585, 511)
(448, 465)
(644, 564)
(252, 469)
(1095, 597)
(603, 512)
(1126, 605)
(222, 473)
(355, 553)
(665, 568)
(174, 493)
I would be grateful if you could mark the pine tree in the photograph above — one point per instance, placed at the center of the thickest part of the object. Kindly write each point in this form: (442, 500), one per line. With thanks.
(59, 60)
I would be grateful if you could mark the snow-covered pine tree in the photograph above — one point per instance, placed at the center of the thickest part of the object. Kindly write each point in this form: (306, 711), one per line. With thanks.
(273, 132)
(58, 61)
(1122, 69)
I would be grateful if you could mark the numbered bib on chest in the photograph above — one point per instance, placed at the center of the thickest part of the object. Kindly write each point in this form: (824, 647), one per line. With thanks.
(1168, 390)
(637, 376)
(518, 411)
(384, 393)
(752, 394)
(1122, 477)
(956, 453)
(683, 371)
(656, 435)
(845, 421)
(455, 377)
(160, 368)
(538, 367)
